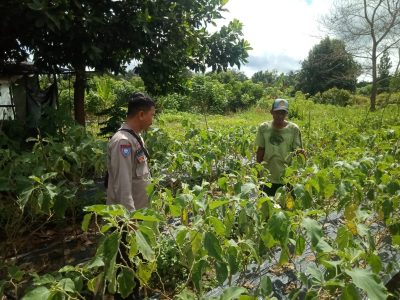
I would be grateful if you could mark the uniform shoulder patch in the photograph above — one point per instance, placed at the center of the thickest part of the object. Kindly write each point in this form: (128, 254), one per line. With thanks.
(126, 150)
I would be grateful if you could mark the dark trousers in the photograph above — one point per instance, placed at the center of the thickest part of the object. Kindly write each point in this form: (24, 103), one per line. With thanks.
(270, 191)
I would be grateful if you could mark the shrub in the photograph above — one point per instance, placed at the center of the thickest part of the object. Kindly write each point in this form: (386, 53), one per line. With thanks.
(384, 99)
(333, 96)
(365, 90)
(359, 100)
(174, 101)
(208, 95)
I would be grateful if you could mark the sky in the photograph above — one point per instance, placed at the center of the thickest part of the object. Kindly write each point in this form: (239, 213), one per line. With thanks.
(281, 32)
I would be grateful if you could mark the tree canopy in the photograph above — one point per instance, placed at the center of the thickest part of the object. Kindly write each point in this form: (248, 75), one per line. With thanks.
(328, 65)
(164, 37)
(369, 28)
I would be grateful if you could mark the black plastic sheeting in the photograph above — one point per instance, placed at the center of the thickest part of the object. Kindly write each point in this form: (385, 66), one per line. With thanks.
(284, 278)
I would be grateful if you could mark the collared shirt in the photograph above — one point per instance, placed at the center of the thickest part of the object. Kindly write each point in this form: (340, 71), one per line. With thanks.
(128, 171)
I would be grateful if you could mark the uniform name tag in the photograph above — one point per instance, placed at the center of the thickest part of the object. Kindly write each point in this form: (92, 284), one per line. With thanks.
(126, 150)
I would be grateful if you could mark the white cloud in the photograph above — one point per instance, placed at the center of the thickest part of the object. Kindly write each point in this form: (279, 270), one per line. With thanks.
(281, 32)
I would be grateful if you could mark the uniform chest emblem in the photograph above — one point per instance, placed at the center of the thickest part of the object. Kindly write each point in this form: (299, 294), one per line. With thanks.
(126, 150)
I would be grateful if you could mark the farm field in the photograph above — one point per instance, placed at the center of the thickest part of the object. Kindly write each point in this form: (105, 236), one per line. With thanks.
(210, 232)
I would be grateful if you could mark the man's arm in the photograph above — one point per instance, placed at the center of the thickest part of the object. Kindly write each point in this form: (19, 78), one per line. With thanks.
(260, 154)
(298, 144)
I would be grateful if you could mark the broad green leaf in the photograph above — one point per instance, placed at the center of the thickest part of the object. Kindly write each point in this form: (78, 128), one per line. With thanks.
(323, 246)
(300, 245)
(375, 262)
(60, 206)
(86, 221)
(350, 292)
(369, 282)
(95, 262)
(316, 274)
(247, 188)
(218, 225)
(111, 244)
(343, 237)
(329, 189)
(221, 270)
(314, 230)
(93, 284)
(215, 204)
(36, 179)
(144, 247)
(149, 235)
(126, 282)
(267, 238)
(181, 236)
(279, 226)
(243, 221)
(45, 279)
(39, 293)
(222, 183)
(249, 246)
(67, 285)
(233, 260)
(211, 244)
(197, 273)
(265, 287)
(24, 197)
(67, 269)
(138, 215)
(196, 243)
(232, 293)
(112, 283)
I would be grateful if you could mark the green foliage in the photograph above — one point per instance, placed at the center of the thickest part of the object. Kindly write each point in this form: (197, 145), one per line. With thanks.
(165, 39)
(208, 220)
(333, 96)
(327, 66)
(383, 99)
(384, 67)
(209, 96)
(45, 181)
(395, 82)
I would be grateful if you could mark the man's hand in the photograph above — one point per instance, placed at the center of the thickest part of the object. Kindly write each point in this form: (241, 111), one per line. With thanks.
(301, 151)
(260, 154)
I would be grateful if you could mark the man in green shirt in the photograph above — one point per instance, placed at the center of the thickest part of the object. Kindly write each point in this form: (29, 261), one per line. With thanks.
(276, 142)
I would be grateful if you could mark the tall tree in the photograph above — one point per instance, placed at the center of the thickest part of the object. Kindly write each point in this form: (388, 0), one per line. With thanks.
(384, 67)
(368, 27)
(165, 37)
(265, 77)
(328, 65)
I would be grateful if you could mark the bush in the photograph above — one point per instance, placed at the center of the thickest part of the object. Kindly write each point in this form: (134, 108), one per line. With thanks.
(384, 99)
(174, 101)
(365, 90)
(333, 96)
(209, 95)
(359, 100)
(264, 103)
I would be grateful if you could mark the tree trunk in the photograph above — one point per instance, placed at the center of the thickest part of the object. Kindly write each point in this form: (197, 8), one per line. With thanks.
(374, 90)
(79, 94)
